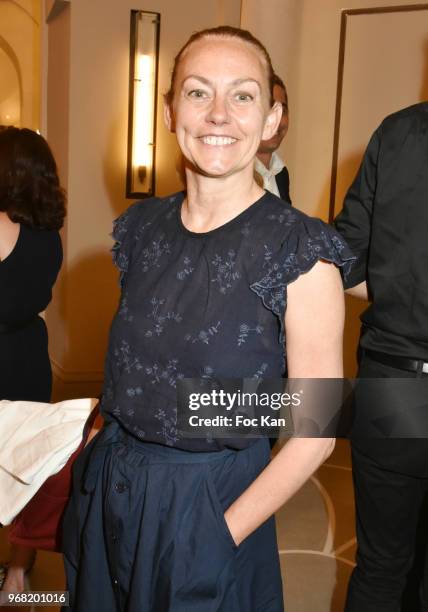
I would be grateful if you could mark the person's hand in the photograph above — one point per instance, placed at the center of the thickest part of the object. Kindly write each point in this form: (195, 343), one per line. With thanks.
(92, 434)
(233, 527)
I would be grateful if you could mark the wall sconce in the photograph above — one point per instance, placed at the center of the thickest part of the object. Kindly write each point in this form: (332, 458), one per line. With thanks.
(143, 77)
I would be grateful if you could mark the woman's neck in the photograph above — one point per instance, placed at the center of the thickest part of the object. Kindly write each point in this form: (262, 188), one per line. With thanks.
(212, 202)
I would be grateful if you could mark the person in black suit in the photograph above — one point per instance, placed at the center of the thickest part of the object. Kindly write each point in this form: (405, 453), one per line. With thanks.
(269, 165)
(384, 221)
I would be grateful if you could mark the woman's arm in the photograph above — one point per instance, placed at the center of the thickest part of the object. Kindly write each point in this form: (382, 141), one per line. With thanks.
(314, 330)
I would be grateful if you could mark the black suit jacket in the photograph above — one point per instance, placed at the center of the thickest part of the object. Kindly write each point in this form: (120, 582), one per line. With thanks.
(283, 182)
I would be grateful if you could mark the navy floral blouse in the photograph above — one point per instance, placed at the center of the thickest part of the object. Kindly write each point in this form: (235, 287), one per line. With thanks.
(201, 305)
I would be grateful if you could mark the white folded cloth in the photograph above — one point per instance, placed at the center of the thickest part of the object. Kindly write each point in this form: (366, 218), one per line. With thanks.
(36, 441)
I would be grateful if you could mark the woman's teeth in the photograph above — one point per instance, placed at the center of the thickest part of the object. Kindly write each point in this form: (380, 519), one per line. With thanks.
(218, 140)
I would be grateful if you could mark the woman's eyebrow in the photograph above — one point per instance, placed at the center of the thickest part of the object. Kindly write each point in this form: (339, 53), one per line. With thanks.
(234, 83)
(246, 80)
(197, 78)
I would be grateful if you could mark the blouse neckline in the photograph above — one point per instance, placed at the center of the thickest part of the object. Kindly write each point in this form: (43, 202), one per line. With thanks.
(238, 219)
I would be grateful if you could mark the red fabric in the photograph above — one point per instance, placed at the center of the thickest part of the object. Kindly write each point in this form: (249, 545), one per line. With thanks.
(38, 525)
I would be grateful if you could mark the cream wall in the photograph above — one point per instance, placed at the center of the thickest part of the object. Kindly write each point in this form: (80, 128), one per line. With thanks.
(20, 42)
(87, 110)
(278, 25)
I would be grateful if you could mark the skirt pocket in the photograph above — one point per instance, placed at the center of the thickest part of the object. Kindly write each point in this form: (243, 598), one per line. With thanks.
(219, 511)
(202, 557)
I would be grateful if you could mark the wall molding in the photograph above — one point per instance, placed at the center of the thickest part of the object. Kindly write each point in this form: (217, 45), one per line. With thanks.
(346, 14)
(76, 376)
(57, 8)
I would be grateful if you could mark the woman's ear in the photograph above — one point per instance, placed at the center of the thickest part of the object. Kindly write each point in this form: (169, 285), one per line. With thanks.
(168, 115)
(272, 121)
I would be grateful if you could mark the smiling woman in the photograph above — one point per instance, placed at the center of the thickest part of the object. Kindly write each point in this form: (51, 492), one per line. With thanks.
(221, 110)
(212, 280)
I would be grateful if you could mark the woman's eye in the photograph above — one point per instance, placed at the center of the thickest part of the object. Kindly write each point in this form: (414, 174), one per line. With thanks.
(197, 93)
(243, 97)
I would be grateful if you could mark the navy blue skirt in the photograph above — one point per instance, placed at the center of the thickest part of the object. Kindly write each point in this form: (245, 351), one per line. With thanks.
(145, 531)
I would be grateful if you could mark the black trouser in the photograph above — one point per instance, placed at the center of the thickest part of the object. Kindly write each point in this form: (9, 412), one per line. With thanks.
(390, 481)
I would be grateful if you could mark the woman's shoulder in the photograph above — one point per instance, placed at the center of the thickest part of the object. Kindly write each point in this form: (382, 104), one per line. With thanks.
(281, 218)
(144, 213)
(40, 249)
(43, 240)
(281, 214)
(281, 222)
(130, 228)
(293, 241)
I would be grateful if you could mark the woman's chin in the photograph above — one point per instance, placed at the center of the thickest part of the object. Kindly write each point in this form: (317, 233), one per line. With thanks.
(213, 170)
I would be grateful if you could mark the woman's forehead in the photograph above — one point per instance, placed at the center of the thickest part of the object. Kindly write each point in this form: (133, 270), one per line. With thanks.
(230, 57)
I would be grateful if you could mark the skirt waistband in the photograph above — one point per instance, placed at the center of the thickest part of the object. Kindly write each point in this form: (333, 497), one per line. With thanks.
(152, 454)
(158, 453)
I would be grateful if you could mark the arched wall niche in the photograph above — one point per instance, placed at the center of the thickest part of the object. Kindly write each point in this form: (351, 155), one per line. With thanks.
(10, 86)
(20, 51)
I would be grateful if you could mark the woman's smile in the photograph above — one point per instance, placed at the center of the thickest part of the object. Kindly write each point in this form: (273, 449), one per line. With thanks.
(218, 141)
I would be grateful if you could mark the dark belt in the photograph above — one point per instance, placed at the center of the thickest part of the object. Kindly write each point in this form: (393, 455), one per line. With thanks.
(401, 363)
(8, 328)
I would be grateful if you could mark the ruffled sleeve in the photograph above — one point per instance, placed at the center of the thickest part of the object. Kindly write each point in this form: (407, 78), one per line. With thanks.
(309, 241)
(124, 234)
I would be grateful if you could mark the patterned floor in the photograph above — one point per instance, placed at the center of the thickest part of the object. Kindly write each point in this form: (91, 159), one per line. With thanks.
(315, 537)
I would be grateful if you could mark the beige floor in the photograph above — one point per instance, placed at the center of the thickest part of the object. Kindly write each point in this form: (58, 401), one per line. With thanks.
(315, 537)
(317, 540)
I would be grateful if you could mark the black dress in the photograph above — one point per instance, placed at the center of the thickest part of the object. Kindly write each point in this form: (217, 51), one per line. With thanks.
(26, 279)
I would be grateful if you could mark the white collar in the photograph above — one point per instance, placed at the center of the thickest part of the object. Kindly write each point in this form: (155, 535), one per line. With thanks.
(275, 166)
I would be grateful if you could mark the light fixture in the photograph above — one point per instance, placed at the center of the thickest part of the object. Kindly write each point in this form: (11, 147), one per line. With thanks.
(143, 73)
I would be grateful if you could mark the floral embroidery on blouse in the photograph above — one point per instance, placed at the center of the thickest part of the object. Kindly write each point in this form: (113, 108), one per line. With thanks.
(125, 359)
(124, 310)
(286, 217)
(261, 371)
(204, 335)
(169, 425)
(245, 330)
(169, 374)
(159, 319)
(226, 275)
(152, 254)
(186, 271)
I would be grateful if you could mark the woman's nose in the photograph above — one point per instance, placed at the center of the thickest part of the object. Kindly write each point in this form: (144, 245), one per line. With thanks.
(218, 112)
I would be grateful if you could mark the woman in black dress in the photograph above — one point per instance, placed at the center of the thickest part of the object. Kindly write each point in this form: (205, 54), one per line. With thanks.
(32, 209)
(212, 281)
